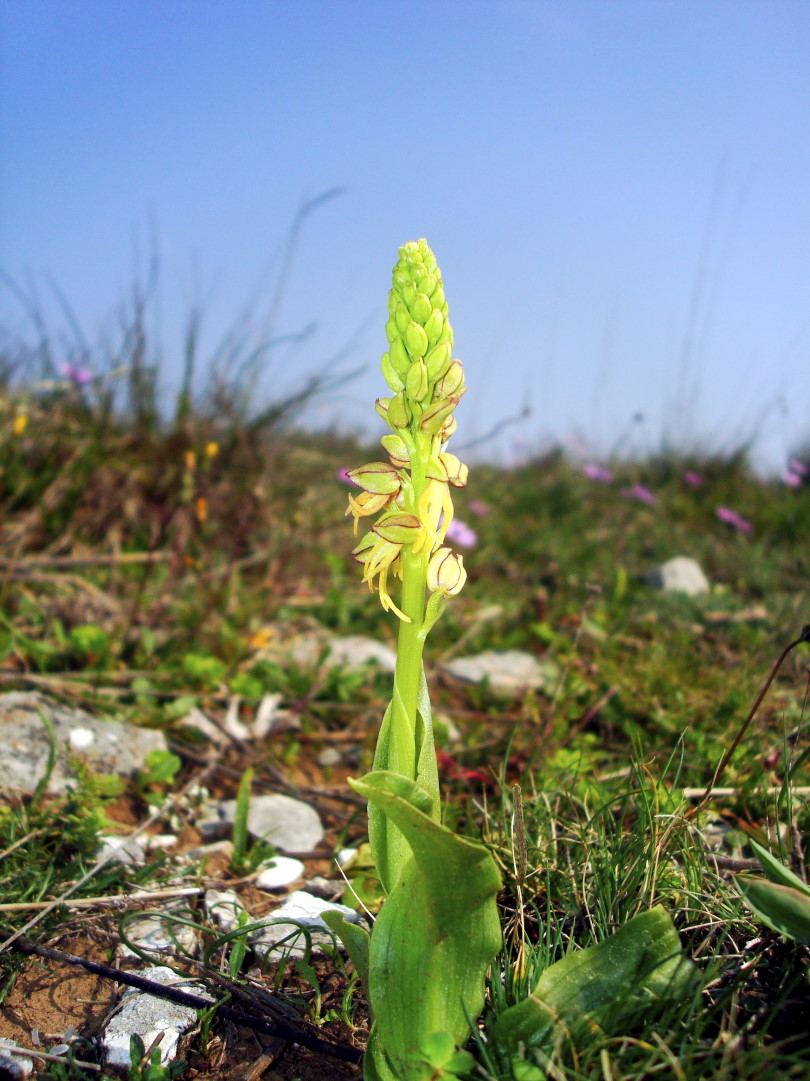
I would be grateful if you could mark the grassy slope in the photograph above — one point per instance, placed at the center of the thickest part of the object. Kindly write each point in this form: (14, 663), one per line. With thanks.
(249, 543)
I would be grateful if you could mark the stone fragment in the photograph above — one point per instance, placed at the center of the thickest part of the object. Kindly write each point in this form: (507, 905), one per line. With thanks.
(127, 850)
(224, 908)
(509, 672)
(679, 575)
(161, 931)
(356, 650)
(280, 873)
(282, 934)
(146, 1015)
(13, 1067)
(286, 823)
(107, 746)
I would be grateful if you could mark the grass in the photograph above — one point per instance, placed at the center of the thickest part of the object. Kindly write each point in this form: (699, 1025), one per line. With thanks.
(151, 566)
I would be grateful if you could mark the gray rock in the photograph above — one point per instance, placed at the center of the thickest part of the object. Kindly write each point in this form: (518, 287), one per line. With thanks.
(161, 932)
(355, 650)
(280, 873)
(281, 933)
(224, 908)
(286, 823)
(107, 746)
(146, 1015)
(11, 1065)
(509, 671)
(679, 575)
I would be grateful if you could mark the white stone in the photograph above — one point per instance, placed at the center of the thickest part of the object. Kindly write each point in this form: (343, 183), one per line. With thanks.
(286, 823)
(267, 715)
(509, 672)
(281, 934)
(160, 932)
(345, 855)
(146, 1015)
(355, 650)
(11, 1065)
(25, 746)
(126, 850)
(224, 908)
(679, 575)
(81, 738)
(281, 872)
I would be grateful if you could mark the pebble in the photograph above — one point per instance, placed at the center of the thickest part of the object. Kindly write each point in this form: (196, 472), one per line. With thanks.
(286, 823)
(679, 575)
(146, 1015)
(284, 936)
(160, 932)
(280, 873)
(509, 672)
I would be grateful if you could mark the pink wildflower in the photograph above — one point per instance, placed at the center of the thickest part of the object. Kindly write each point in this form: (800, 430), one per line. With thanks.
(460, 533)
(793, 480)
(694, 480)
(481, 510)
(798, 467)
(80, 377)
(642, 494)
(732, 518)
(597, 472)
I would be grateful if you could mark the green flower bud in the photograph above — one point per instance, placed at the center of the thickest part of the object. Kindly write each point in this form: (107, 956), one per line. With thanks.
(390, 374)
(416, 381)
(399, 357)
(428, 285)
(378, 477)
(436, 414)
(402, 318)
(416, 341)
(451, 381)
(391, 329)
(446, 573)
(421, 309)
(447, 429)
(437, 296)
(434, 326)
(438, 360)
(397, 450)
(381, 405)
(399, 415)
(398, 528)
(409, 293)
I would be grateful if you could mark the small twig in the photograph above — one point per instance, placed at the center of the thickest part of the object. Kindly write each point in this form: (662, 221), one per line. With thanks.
(731, 793)
(110, 900)
(47, 1057)
(724, 761)
(85, 561)
(298, 1033)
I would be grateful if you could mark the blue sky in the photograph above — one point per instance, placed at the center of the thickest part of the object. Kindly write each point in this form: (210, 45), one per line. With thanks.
(618, 194)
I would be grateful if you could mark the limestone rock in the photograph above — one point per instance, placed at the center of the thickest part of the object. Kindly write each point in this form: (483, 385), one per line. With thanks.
(107, 746)
(509, 672)
(679, 575)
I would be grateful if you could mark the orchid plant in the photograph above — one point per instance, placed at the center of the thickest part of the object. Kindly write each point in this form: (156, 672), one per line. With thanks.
(438, 931)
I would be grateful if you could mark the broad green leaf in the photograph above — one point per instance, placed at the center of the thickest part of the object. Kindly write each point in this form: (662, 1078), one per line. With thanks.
(391, 850)
(782, 908)
(437, 932)
(776, 871)
(602, 987)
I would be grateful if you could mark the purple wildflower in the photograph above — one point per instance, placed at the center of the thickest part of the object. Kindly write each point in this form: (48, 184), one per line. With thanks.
(793, 480)
(798, 467)
(597, 472)
(732, 518)
(80, 377)
(642, 494)
(694, 480)
(461, 534)
(479, 509)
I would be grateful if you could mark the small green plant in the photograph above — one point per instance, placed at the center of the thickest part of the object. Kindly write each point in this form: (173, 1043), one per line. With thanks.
(161, 769)
(438, 930)
(147, 1066)
(781, 900)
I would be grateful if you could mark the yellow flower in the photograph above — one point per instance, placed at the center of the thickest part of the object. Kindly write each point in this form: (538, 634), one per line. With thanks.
(211, 450)
(20, 424)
